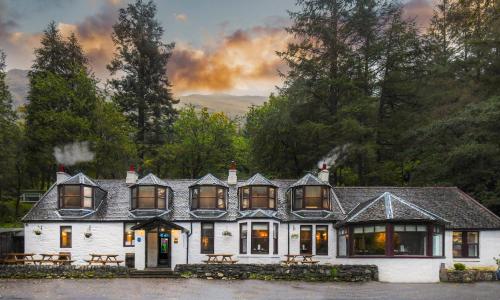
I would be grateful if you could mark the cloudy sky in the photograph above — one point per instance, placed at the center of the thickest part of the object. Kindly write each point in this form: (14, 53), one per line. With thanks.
(222, 46)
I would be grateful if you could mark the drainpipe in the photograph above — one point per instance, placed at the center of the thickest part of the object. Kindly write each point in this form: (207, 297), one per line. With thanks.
(187, 242)
(288, 251)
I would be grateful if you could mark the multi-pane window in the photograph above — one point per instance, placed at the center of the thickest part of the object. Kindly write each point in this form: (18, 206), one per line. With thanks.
(76, 196)
(322, 240)
(305, 239)
(243, 238)
(258, 197)
(207, 238)
(275, 238)
(465, 244)
(65, 237)
(437, 241)
(149, 197)
(208, 197)
(342, 241)
(410, 239)
(260, 238)
(128, 235)
(369, 240)
(312, 197)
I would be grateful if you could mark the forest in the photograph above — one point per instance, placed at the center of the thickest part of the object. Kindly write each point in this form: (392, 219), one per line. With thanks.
(379, 100)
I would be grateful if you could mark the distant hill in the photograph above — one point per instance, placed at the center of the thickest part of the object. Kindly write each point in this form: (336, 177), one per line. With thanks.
(229, 104)
(18, 86)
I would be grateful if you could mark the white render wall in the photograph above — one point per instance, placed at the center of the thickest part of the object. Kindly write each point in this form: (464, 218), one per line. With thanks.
(107, 237)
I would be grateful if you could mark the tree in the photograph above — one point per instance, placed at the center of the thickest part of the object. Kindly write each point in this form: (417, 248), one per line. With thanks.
(143, 92)
(202, 143)
(62, 99)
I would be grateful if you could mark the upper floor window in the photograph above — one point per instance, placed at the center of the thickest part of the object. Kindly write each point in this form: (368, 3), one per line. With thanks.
(208, 197)
(258, 197)
(76, 196)
(311, 197)
(149, 197)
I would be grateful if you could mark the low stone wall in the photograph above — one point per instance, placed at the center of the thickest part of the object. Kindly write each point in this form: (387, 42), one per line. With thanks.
(352, 273)
(30, 271)
(467, 276)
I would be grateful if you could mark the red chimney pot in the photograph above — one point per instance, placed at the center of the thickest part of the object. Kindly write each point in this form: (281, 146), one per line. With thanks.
(324, 166)
(132, 168)
(232, 166)
(60, 168)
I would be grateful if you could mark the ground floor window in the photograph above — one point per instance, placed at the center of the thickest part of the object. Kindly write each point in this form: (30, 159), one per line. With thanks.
(305, 239)
(275, 238)
(128, 235)
(243, 238)
(65, 236)
(465, 244)
(410, 239)
(437, 241)
(342, 241)
(260, 238)
(207, 238)
(369, 240)
(322, 240)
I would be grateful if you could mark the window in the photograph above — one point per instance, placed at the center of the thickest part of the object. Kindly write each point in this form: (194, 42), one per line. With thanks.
(322, 240)
(243, 238)
(260, 238)
(128, 235)
(437, 241)
(342, 241)
(258, 197)
(65, 237)
(312, 197)
(369, 240)
(149, 197)
(305, 239)
(75, 196)
(465, 244)
(207, 238)
(410, 239)
(275, 238)
(208, 197)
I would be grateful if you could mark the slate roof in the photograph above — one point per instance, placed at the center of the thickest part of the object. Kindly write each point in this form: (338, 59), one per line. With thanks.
(210, 179)
(80, 178)
(448, 203)
(257, 179)
(151, 179)
(388, 207)
(309, 179)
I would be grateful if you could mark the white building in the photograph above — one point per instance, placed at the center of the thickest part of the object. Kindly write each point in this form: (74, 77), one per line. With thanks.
(407, 232)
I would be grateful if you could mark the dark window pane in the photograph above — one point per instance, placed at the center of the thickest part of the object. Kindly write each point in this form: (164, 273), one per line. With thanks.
(312, 198)
(369, 240)
(260, 238)
(146, 197)
(208, 196)
(195, 193)
(71, 196)
(305, 239)
(245, 202)
(410, 240)
(243, 238)
(207, 238)
(65, 237)
(275, 238)
(322, 240)
(298, 198)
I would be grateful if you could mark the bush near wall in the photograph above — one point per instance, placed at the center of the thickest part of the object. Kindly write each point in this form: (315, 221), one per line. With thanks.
(352, 273)
(38, 272)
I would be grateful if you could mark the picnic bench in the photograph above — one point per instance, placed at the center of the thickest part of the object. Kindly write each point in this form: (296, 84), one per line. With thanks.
(61, 258)
(291, 259)
(103, 259)
(19, 258)
(220, 259)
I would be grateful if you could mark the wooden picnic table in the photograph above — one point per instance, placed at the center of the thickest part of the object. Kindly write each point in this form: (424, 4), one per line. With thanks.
(104, 259)
(220, 259)
(308, 259)
(19, 258)
(54, 258)
(291, 259)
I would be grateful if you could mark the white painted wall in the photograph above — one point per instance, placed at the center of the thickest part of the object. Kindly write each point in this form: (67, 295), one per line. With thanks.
(489, 247)
(107, 238)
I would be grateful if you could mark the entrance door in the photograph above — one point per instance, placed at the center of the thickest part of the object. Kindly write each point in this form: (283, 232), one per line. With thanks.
(164, 247)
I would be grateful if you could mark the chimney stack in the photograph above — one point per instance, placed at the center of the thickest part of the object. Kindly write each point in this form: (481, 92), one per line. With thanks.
(232, 178)
(131, 176)
(324, 175)
(61, 175)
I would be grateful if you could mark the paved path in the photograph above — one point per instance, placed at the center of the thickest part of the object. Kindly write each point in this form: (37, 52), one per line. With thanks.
(247, 289)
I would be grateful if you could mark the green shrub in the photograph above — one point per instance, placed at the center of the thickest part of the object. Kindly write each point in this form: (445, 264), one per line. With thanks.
(459, 266)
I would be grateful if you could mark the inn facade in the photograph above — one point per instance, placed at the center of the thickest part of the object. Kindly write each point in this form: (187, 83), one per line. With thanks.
(408, 232)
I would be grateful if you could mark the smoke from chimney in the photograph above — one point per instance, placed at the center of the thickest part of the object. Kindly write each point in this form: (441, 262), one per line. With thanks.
(71, 154)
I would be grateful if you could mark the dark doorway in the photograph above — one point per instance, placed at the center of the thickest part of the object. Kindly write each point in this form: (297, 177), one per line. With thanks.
(164, 248)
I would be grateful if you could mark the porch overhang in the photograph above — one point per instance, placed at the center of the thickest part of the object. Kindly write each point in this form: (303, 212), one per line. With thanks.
(156, 222)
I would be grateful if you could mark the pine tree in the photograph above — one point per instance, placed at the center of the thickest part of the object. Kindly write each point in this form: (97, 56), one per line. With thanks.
(144, 92)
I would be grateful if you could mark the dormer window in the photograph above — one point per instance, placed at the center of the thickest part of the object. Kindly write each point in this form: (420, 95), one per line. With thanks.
(149, 197)
(208, 197)
(311, 197)
(257, 197)
(76, 197)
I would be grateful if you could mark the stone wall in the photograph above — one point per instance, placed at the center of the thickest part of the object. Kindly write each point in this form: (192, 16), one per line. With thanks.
(279, 272)
(467, 276)
(30, 271)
